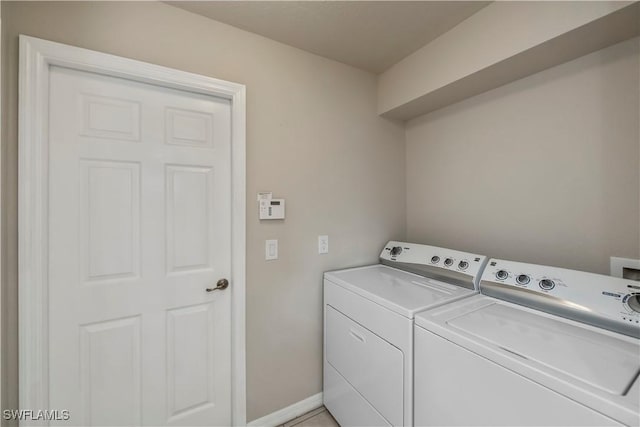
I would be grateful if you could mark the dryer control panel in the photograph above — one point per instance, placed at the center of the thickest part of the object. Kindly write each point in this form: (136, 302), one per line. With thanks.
(460, 268)
(608, 302)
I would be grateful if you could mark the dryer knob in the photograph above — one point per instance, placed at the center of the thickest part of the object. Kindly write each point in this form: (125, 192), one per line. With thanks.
(448, 262)
(547, 284)
(396, 250)
(633, 301)
(502, 274)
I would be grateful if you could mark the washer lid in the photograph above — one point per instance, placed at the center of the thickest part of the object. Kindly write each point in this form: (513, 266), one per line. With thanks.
(603, 361)
(399, 291)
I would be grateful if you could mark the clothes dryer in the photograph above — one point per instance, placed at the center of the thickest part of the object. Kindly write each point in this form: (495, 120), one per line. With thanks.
(368, 328)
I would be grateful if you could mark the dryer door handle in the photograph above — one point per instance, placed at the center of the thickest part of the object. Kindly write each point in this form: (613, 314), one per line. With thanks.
(357, 335)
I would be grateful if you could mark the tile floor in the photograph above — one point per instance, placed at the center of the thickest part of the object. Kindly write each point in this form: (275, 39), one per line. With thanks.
(317, 418)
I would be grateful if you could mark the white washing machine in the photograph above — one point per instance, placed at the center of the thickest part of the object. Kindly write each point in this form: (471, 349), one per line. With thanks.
(543, 346)
(368, 328)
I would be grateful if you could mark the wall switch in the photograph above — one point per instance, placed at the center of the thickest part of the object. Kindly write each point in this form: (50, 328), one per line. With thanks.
(323, 244)
(271, 250)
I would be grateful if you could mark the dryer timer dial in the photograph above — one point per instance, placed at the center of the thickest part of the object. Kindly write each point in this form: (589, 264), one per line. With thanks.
(633, 302)
(547, 284)
(502, 275)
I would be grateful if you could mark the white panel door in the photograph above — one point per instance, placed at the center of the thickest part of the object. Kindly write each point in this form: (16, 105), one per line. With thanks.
(139, 187)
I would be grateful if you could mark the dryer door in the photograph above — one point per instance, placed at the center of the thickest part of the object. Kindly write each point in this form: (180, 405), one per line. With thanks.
(370, 364)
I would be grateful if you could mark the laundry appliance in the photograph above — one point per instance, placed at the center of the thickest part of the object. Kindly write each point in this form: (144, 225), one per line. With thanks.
(368, 328)
(543, 346)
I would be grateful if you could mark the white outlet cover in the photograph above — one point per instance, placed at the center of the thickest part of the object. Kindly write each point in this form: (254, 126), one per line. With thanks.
(323, 244)
(617, 265)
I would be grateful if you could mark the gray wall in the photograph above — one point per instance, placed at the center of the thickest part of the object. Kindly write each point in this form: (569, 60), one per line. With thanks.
(313, 137)
(555, 157)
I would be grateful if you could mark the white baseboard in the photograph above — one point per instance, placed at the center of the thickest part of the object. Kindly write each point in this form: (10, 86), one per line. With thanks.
(290, 412)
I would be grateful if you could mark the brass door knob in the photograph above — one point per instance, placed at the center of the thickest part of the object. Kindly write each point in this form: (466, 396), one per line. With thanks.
(222, 284)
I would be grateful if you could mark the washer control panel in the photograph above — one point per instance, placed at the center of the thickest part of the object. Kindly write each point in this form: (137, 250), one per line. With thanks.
(596, 296)
(425, 258)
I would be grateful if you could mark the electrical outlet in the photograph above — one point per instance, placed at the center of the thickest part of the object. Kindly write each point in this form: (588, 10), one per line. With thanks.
(626, 268)
(323, 244)
(271, 250)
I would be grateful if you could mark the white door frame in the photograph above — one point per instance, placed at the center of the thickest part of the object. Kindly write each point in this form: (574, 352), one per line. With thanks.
(36, 58)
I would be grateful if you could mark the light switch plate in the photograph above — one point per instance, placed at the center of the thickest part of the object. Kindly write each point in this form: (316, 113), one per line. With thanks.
(271, 250)
(323, 244)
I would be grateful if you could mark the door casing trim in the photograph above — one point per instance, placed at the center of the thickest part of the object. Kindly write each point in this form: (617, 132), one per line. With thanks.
(36, 58)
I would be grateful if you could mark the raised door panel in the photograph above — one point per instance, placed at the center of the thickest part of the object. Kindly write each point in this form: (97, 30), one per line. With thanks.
(190, 359)
(110, 220)
(111, 372)
(189, 216)
(189, 128)
(106, 117)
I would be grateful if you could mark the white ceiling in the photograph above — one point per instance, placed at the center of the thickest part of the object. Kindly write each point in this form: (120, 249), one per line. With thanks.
(372, 35)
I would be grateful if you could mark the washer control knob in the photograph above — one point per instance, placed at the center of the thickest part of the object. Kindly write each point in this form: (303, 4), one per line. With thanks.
(396, 250)
(547, 284)
(633, 301)
(502, 274)
(462, 265)
(523, 279)
(448, 262)
(435, 259)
